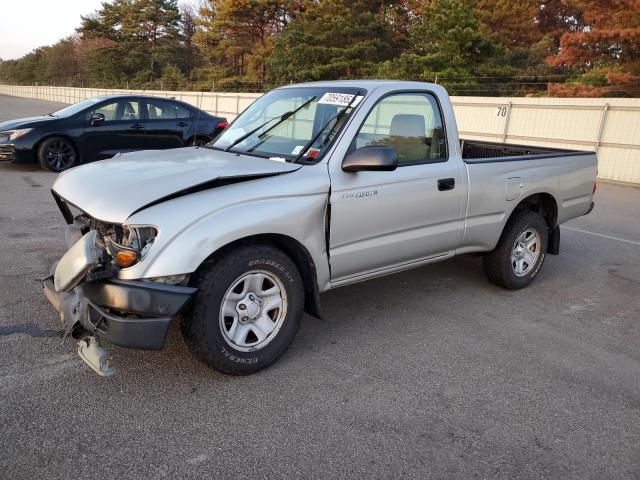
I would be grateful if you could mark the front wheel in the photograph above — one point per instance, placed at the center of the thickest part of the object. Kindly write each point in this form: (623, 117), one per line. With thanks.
(520, 252)
(56, 154)
(247, 309)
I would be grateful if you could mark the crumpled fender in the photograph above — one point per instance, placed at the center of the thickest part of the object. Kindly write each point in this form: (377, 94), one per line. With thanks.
(193, 227)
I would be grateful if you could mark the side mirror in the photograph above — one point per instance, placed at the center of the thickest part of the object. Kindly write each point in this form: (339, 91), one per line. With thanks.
(373, 159)
(97, 119)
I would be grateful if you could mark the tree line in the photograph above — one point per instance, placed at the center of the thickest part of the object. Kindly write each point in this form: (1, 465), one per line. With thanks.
(473, 47)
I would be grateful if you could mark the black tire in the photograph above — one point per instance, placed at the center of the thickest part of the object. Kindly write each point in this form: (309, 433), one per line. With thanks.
(56, 154)
(498, 265)
(202, 326)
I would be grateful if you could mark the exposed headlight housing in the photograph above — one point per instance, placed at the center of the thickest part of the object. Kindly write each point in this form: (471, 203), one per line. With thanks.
(131, 245)
(13, 134)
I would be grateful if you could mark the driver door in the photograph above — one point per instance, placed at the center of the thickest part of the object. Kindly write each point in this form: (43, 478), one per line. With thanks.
(386, 221)
(122, 130)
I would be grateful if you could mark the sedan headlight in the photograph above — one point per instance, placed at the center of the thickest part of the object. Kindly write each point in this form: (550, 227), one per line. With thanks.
(13, 134)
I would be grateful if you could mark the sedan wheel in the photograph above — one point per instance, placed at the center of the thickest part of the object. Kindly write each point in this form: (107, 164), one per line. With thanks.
(57, 154)
(198, 142)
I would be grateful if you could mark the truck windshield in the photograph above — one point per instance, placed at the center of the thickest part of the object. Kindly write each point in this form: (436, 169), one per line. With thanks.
(290, 123)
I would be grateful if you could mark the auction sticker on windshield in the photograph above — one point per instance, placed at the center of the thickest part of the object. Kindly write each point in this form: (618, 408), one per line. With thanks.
(340, 99)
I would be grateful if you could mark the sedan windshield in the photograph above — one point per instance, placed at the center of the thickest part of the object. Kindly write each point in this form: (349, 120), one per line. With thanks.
(290, 123)
(76, 107)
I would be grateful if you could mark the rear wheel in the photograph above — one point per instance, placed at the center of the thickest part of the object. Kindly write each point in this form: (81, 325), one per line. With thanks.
(520, 253)
(247, 309)
(199, 141)
(56, 154)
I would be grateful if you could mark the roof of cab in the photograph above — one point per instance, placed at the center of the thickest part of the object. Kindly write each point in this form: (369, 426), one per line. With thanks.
(400, 84)
(382, 87)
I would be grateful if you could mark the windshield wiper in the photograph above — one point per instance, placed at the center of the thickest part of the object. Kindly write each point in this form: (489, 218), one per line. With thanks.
(282, 118)
(336, 117)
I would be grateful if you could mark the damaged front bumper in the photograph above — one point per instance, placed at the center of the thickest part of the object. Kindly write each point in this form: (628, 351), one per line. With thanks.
(126, 313)
(93, 302)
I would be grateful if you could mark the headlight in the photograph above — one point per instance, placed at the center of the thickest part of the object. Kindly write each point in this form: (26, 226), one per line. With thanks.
(13, 134)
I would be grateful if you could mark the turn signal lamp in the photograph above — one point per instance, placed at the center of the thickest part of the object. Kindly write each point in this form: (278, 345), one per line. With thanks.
(126, 258)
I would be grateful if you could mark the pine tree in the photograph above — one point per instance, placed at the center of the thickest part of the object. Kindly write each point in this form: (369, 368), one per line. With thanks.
(510, 23)
(448, 45)
(335, 39)
(238, 34)
(143, 32)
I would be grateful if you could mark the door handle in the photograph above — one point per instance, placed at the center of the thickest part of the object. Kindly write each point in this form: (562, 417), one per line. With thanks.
(446, 184)
(137, 126)
(182, 124)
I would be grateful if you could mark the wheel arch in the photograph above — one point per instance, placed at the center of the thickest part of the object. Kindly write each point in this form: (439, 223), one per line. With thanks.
(296, 251)
(543, 203)
(546, 205)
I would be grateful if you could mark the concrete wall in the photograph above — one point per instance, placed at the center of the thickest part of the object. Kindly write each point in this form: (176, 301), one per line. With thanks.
(611, 126)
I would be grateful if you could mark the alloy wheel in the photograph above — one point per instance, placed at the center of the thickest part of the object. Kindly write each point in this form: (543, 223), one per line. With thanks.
(60, 155)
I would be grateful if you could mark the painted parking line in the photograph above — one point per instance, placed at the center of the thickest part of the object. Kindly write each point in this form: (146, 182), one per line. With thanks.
(601, 235)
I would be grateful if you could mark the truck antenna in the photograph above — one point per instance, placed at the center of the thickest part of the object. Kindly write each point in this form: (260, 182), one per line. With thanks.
(195, 135)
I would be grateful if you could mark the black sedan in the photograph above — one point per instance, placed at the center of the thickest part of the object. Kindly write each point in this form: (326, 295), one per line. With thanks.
(100, 127)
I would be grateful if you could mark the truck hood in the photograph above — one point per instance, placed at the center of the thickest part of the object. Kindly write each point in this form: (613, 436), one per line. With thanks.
(112, 190)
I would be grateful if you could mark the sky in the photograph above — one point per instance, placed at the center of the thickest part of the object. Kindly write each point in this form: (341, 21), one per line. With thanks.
(27, 24)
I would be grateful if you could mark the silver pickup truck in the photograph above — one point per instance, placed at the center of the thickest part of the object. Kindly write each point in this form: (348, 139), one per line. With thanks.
(313, 187)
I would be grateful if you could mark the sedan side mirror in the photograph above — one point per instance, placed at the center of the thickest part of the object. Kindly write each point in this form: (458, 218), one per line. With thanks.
(97, 119)
(373, 159)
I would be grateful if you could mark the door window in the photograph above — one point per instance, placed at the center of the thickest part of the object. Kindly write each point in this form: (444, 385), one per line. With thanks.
(410, 122)
(120, 110)
(166, 110)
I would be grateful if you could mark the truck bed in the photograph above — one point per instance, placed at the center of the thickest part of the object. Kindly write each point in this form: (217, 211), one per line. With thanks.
(475, 151)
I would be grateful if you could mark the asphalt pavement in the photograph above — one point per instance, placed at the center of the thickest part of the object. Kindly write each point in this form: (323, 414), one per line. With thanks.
(431, 373)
